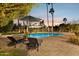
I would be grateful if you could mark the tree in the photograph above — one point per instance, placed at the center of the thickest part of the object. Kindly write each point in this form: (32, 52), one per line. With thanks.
(65, 20)
(56, 28)
(10, 11)
(52, 13)
(8, 27)
(75, 27)
(47, 15)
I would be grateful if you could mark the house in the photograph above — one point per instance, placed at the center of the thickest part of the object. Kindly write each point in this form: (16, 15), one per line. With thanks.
(30, 21)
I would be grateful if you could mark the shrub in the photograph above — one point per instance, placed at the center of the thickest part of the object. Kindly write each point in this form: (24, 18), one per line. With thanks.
(74, 40)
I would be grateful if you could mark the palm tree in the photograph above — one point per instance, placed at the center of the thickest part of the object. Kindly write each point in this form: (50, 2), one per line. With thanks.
(64, 20)
(47, 16)
(52, 12)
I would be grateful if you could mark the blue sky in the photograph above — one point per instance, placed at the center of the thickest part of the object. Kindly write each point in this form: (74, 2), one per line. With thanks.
(68, 10)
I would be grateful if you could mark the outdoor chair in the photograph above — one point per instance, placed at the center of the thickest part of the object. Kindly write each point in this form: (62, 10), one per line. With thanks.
(14, 42)
(33, 44)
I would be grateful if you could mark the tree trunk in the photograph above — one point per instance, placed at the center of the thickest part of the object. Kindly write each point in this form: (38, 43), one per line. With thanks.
(19, 26)
(47, 17)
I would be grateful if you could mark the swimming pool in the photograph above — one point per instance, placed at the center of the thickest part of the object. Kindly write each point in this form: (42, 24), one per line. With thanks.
(43, 35)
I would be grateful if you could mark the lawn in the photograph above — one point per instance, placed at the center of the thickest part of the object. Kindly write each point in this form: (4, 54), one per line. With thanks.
(13, 52)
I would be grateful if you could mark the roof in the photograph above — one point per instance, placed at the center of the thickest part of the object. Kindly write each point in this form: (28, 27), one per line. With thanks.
(30, 18)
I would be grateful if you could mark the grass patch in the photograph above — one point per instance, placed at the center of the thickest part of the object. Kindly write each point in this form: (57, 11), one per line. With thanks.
(3, 53)
(18, 52)
(14, 52)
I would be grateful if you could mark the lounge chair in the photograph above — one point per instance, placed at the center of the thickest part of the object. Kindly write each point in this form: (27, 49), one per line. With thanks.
(33, 44)
(14, 42)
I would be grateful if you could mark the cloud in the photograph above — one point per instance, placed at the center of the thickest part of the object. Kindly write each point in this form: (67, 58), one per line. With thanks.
(57, 21)
(75, 22)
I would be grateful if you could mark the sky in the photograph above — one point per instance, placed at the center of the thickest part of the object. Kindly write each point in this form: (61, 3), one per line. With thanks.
(62, 10)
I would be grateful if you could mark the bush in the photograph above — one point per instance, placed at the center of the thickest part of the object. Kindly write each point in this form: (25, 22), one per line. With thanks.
(74, 40)
(7, 27)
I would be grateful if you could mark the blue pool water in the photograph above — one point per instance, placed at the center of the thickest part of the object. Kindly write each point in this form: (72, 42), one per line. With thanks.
(43, 35)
